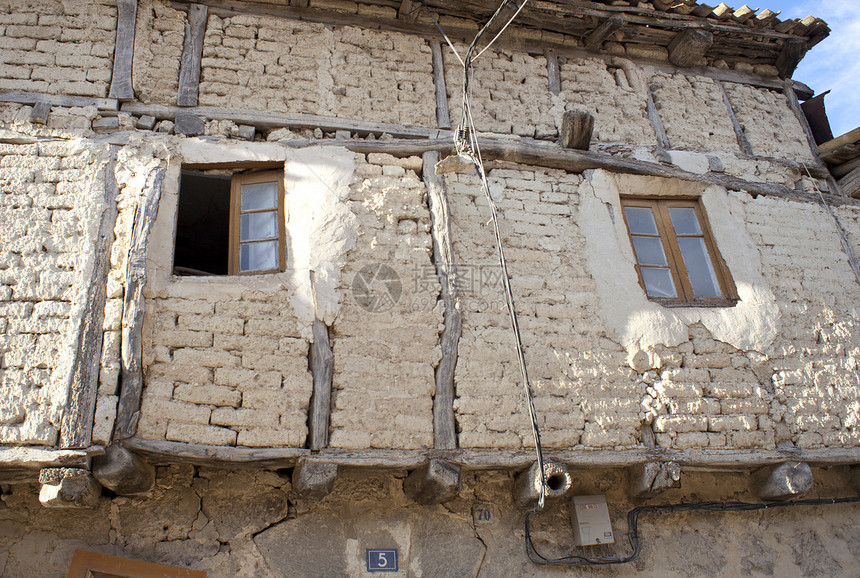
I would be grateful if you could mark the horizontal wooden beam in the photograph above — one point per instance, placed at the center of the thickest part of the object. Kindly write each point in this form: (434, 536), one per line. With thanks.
(32, 98)
(268, 120)
(598, 36)
(792, 53)
(169, 452)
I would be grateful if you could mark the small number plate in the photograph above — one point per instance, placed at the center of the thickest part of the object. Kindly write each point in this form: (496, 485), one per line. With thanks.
(382, 560)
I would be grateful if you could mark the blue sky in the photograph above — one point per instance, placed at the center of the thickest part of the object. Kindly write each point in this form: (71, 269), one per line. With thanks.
(833, 64)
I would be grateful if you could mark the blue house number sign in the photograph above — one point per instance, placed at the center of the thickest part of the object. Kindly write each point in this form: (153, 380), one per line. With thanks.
(382, 560)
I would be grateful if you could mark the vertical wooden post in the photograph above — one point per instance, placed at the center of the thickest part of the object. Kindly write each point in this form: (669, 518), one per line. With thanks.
(128, 408)
(121, 80)
(656, 121)
(552, 71)
(443, 117)
(743, 141)
(444, 428)
(192, 54)
(322, 368)
(76, 429)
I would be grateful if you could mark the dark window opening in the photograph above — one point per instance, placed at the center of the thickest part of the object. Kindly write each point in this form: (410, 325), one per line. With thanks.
(203, 224)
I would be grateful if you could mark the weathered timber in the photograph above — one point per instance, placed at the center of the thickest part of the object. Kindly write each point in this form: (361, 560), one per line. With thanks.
(792, 53)
(444, 426)
(32, 98)
(656, 121)
(192, 53)
(160, 452)
(785, 481)
(77, 425)
(846, 168)
(576, 129)
(689, 47)
(13, 458)
(598, 36)
(443, 116)
(189, 124)
(269, 120)
(743, 141)
(322, 369)
(850, 183)
(131, 348)
(39, 114)
(801, 118)
(105, 124)
(145, 122)
(433, 483)
(123, 472)
(653, 478)
(121, 80)
(408, 11)
(553, 73)
(830, 146)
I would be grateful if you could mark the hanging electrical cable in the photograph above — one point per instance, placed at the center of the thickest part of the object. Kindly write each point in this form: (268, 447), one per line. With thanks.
(466, 145)
(633, 527)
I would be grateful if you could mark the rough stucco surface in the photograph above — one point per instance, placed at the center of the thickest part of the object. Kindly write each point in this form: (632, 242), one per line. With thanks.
(51, 197)
(290, 66)
(57, 47)
(385, 337)
(244, 523)
(616, 101)
(693, 113)
(768, 123)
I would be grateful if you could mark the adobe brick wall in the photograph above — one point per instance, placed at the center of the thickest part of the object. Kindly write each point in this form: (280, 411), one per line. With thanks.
(51, 199)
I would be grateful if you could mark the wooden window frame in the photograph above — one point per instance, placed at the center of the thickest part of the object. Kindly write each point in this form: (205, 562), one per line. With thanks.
(236, 183)
(666, 232)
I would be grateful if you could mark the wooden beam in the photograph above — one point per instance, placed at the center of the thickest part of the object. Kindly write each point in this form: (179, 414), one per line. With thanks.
(552, 72)
(322, 369)
(76, 430)
(708, 459)
(33, 98)
(845, 168)
(743, 141)
(689, 47)
(408, 11)
(123, 56)
(128, 408)
(265, 120)
(192, 54)
(443, 116)
(792, 53)
(39, 114)
(444, 424)
(656, 121)
(794, 104)
(576, 130)
(598, 36)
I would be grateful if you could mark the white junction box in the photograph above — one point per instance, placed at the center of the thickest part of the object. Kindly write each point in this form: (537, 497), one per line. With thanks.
(590, 519)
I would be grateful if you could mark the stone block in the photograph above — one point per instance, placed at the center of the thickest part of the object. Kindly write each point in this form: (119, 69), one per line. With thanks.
(68, 488)
(785, 481)
(189, 124)
(653, 478)
(314, 480)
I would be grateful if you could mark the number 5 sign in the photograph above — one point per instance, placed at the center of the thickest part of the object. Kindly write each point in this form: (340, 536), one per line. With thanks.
(382, 560)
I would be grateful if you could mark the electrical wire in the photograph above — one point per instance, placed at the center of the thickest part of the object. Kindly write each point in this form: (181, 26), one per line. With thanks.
(466, 144)
(633, 527)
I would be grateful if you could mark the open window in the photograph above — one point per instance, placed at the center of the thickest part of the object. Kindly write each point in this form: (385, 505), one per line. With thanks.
(676, 258)
(230, 221)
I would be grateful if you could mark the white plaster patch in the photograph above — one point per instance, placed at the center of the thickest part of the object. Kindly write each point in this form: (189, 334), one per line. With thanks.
(640, 324)
(691, 162)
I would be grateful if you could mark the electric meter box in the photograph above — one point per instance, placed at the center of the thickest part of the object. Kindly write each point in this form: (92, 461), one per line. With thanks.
(589, 517)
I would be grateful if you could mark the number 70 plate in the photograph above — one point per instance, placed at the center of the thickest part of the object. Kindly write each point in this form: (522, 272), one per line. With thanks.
(382, 560)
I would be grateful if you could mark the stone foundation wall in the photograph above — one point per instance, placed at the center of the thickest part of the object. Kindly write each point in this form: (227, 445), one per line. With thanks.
(236, 523)
(290, 66)
(57, 47)
(51, 200)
